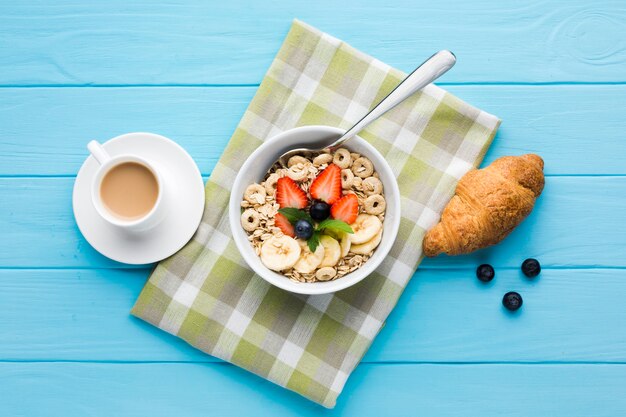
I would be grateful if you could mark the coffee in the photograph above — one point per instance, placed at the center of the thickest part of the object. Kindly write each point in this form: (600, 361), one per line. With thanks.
(129, 190)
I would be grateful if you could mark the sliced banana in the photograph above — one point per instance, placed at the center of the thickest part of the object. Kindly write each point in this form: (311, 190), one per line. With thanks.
(325, 274)
(255, 194)
(344, 244)
(332, 251)
(369, 246)
(365, 228)
(280, 252)
(308, 261)
(331, 233)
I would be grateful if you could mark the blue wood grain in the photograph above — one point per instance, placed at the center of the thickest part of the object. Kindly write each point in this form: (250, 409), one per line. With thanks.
(43, 131)
(553, 71)
(198, 42)
(577, 222)
(173, 389)
(445, 316)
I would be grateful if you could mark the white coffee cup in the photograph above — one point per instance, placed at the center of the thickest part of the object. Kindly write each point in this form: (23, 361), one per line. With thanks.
(107, 163)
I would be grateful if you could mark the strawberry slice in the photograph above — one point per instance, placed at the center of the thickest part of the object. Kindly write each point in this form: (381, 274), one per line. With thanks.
(288, 194)
(327, 185)
(345, 209)
(283, 224)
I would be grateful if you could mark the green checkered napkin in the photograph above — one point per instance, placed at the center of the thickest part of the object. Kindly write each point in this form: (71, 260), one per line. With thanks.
(207, 295)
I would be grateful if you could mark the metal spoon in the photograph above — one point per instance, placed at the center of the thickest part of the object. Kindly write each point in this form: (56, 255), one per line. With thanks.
(426, 73)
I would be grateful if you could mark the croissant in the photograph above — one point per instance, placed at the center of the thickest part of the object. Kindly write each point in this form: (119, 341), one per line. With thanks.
(487, 205)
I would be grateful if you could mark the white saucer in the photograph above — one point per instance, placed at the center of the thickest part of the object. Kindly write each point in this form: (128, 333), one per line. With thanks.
(185, 202)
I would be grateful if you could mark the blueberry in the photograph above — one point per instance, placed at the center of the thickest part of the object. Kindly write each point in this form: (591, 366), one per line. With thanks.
(319, 211)
(304, 229)
(485, 272)
(512, 301)
(531, 267)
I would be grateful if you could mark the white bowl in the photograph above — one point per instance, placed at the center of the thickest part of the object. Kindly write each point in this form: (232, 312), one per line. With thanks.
(254, 170)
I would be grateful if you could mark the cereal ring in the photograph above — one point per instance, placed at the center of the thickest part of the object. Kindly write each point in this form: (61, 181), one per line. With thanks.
(323, 158)
(357, 182)
(347, 178)
(250, 220)
(355, 155)
(255, 194)
(298, 172)
(363, 167)
(325, 274)
(342, 158)
(297, 159)
(372, 185)
(270, 184)
(375, 204)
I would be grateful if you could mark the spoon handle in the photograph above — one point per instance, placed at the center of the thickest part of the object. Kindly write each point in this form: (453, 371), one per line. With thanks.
(430, 70)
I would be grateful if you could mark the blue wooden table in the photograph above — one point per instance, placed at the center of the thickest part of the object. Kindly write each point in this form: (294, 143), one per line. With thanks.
(554, 71)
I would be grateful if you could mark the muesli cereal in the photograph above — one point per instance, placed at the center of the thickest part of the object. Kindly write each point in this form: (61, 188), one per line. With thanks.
(317, 219)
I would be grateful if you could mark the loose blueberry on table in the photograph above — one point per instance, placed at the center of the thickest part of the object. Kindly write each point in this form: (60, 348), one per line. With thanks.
(512, 301)
(531, 267)
(485, 272)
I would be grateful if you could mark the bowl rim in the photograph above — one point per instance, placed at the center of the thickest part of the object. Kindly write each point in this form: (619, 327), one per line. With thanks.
(313, 288)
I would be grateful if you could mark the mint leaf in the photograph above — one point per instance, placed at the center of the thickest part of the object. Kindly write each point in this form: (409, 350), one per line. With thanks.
(314, 241)
(335, 226)
(294, 214)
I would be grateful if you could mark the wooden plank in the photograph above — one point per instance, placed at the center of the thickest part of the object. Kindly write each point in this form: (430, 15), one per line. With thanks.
(578, 222)
(444, 316)
(43, 131)
(158, 389)
(195, 42)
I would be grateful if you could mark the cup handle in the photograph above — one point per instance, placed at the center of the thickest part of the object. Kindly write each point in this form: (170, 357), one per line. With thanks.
(98, 152)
